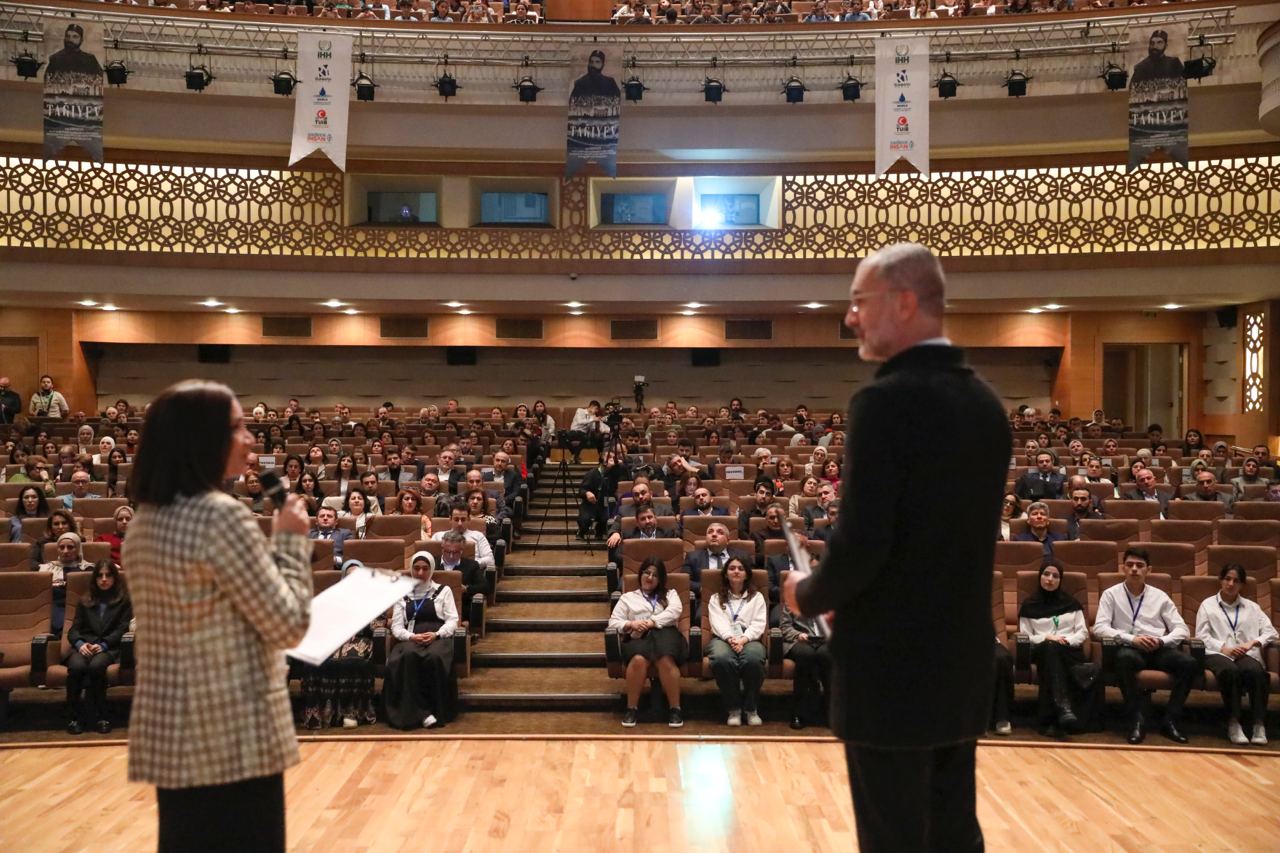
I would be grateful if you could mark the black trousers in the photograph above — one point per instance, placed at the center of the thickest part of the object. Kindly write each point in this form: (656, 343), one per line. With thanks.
(813, 673)
(89, 672)
(1130, 661)
(242, 816)
(1236, 676)
(1053, 665)
(914, 800)
(593, 515)
(1003, 698)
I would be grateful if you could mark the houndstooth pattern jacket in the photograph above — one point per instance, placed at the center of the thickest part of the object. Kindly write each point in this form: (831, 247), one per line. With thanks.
(216, 604)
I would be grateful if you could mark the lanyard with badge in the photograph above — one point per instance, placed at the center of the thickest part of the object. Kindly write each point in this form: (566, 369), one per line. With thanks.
(1233, 623)
(738, 629)
(1135, 610)
(653, 602)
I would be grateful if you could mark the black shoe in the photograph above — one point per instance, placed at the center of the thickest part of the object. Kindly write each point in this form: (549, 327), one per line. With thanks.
(629, 718)
(674, 719)
(1137, 734)
(1052, 730)
(581, 535)
(104, 727)
(1067, 719)
(797, 722)
(74, 728)
(1170, 730)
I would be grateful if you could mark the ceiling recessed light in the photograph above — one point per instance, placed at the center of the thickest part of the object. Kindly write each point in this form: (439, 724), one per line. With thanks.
(694, 305)
(1052, 306)
(689, 313)
(211, 303)
(351, 312)
(577, 313)
(87, 303)
(454, 304)
(232, 310)
(464, 311)
(1035, 310)
(574, 304)
(814, 305)
(109, 307)
(1171, 306)
(333, 303)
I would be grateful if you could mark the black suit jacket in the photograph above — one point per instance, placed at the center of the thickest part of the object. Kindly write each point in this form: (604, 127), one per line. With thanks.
(908, 569)
(1134, 494)
(109, 628)
(1032, 487)
(473, 581)
(695, 562)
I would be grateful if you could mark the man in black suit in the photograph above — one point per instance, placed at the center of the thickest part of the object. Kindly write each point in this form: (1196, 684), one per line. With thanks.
(824, 533)
(1146, 490)
(474, 579)
(327, 528)
(713, 556)
(1042, 484)
(911, 601)
(704, 504)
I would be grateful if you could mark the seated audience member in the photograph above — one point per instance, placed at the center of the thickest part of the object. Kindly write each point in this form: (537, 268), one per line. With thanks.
(804, 642)
(1250, 475)
(326, 527)
(475, 483)
(1010, 509)
(813, 468)
(1055, 622)
(448, 475)
(474, 579)
(1094, 472)
(308, 487)
(648, 618)
(1207, 490)
(397, 472)
(764, 498)
(506, 474)
(1044, 483)
(851, 11)
(369, 483)
(808, 489)
(825, 532)
(477, 503)
(70, 559)
(31, 504)
(775, 518)
(407, 502)
(35, 469)
(416, 689)
(1038, 529)
(1146, 490)
(122, 516)
(340, 690)
(1149, 628)
(440, 15)
(115, 459)
(1235, 630)
(84, 439)
(357, 506)
(831, 471)
(253, 491)
(345, 475)
(738, 616)
(714, 556)
(430, 488)
(58, 522)
(459, 515)
(292, 471)
(826, 494)
(105, 445)
(1002, 696)
(704, 504)
(594, 492)
(1083, 506)
(94, 640)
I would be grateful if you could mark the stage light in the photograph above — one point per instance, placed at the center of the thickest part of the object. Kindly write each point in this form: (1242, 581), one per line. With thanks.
(211, 303)
(813, 306)
(794, 89)
(1199, 67)
(851, 88)
(634, 88)
(465, 312)
(117, 72)
(1016, 83)
(334, 303)
(108, 307)
(454, 304)
(1171, 306)
(198, 77)
(447, 86)
(1115, 77)
(1035, 310)
(282, 83)
(28, 66)
(231, 310)
(947, 85)
(576, 313)
(575, 304)
(527, 89)
(1052, 306)
(713, 90)
(689, 313)
(364, 87)
(350, 312)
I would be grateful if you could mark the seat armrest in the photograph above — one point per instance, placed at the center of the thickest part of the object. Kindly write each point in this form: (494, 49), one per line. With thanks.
(1110, 645)
(1270, 655)
(612, 580)
(475, 614)
(491, 581)
(462, 644)
(613, 647)
(380, 646)
(773, 650)
(1022, 652)
(127, 658)
(518, 509)
(40, 657)
(695, 645)
(1195, 647)
(500, 553)
(507, 531)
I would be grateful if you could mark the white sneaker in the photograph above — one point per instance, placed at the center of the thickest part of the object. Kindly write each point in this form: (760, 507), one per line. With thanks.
(753, 719)
(429, 720)
(1235, 734)
(735, 718)
(350, 722)
(1259, 734)
(1004, 727)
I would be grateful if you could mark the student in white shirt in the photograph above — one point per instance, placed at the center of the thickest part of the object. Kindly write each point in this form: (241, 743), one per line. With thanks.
(419, 665)
(1056, 625)
(1235, 630)
(739, 616)
(648, 618)
(1149, 629)
(459, 515)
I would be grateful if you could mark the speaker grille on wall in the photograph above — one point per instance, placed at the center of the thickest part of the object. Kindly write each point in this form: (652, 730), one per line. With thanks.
(524, 328)
(748, 330)
(633, 330)
(404, 327)
(460, 356)
(704, 357)
(213, 353)
(286, 327)
(1228, 317)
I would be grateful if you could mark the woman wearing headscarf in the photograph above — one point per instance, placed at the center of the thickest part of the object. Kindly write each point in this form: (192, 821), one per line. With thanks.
(340, 690)
(416, 688)
(70, 559)
(94, 644)
(105, 445)
(1055, 622)
(122, 516)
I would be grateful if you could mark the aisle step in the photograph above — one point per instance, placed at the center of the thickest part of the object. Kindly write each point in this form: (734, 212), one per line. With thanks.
(548, 616)
(512, 572)
(540, 687)
(522, 649)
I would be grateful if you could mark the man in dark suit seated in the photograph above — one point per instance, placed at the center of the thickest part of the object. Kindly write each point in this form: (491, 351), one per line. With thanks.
(824, 533)
(703, 504)
(1083, 505)
(474, 580)
(1042, 484)
(327, 528)
(1038, 529)
(505, 473)
(1207, 490)
(1146, 490)
(764, 497)
(646, 528)
(713, 556)
(641, 497)
(826, 494)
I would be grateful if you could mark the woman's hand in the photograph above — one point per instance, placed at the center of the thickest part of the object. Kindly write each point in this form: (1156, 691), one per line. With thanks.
(292, 517)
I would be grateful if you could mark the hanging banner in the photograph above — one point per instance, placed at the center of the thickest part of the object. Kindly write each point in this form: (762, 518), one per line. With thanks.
(322, 97)
(1157, 93)
(595, 105)
(902, 103)
(73, 87)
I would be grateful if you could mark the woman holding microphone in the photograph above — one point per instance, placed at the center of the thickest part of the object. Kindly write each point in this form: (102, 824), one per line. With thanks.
(216, 603)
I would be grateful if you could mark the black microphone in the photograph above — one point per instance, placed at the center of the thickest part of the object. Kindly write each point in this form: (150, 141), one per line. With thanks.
(272, 487)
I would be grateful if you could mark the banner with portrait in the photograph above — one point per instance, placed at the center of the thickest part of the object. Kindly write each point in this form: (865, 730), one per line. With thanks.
(595, 104)
(1157, 93)
(73, 87)
(322, 97)
(902, 103)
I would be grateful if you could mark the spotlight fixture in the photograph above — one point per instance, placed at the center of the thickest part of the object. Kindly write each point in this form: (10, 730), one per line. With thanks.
(198, 77)
(1051, 306)
(851, 88)
(117, 72)
(687, 313)
(813, 306)
(694, 305)
(1171, 306)
(447, 86)
(576, 313)
(109, 307)
(334, 303)
(1199, 67)
(1035, 310)
(527, 89)
(28, 66)
(87, 303)
(794, 89)
(634, 88)
(231, 310)
(713, 90)
(350, 312)
(211, 303)
(454, 304)
(1116, 77)
(1016, 83)
(465, 312)
(364, 87)
(947, 85)
(574, 305)
(282, 83)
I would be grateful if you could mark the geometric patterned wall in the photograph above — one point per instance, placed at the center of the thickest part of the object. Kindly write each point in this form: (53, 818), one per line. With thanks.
(240, 212)
(1255, 324)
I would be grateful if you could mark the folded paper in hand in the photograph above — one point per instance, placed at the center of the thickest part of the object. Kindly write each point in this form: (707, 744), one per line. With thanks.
(800, 559)
(346, 607)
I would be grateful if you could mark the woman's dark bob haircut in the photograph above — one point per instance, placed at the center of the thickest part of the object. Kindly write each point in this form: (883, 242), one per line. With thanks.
(185, 441)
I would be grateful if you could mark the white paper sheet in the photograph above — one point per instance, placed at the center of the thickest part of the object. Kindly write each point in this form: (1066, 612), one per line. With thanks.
(346, 607)
(800, 558)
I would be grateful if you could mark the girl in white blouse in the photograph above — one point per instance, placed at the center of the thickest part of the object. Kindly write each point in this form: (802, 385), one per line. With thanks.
(1235, 630)
(416, 688)
(648, 618)
(1055, 622)
(739, 616)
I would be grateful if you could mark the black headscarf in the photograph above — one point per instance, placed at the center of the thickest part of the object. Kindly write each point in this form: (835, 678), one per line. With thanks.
(1043, 604)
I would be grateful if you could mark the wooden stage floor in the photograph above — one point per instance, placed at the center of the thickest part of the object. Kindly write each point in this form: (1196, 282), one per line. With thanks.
(629, 794)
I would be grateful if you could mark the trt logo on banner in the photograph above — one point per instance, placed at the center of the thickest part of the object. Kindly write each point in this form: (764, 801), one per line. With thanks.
(321, 100)
(902, 103)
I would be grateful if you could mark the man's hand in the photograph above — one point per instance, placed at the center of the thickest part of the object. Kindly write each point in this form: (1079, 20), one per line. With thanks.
(789, 593)
(1147, 644)
(613, 540)
(591, 497)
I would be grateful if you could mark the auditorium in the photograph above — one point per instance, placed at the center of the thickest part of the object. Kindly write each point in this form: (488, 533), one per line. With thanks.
(552, 313)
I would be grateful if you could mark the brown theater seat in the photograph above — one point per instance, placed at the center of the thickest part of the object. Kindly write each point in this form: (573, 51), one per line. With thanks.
(323, 579)
(321, 555)
(1152, 679)
(15, 557)
(1090, 559)
(692, 666)
(695, 526)
(1175, 559)
(1011, 558)
(1198, 589)
(1074, 584)
(97, 507)
(636, 551)
(1144, 512)
(26, 608)
(386, 554)
(406, 528)
(1233, 531)
(1018, 526)
(1196, 511)
(1122, 531)
(1257, 510)
(1198, 533)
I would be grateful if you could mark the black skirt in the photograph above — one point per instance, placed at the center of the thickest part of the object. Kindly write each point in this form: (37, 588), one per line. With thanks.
(659, 643)
(419, 682)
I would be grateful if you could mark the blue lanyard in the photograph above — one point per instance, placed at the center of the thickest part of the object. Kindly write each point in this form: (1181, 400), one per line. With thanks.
(653, 602)
(1228, 618)
(1133, 618)
(733, 614)
(417, 607)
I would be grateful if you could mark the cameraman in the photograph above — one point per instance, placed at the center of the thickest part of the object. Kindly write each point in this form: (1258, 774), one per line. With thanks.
(48, 403)
(597, 495)
(587, 429)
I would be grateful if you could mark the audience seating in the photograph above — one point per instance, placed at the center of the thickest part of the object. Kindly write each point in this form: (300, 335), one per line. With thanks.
(1196, 511)
(616, 664)
(93, 551)
(1144, 512)
(120, 673)
(1249, 532)
(1122, 531)
(386, 554)
(406, 528)
(1257, 510)
(1198, 533)
(636, 551)
(26, 609)
(321, 555)
(15, 557)
(1148, 679)
(473, 611)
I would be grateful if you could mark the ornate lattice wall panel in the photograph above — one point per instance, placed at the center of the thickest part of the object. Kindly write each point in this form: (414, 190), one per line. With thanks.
(1254, 334)
(1099, 209)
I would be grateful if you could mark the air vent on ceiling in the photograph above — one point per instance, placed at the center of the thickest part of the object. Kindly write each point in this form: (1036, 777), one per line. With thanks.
(404, 327)
(633, 330)
(748, 330)
(524, 328)
(286, 327)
